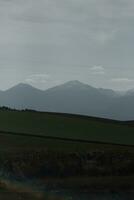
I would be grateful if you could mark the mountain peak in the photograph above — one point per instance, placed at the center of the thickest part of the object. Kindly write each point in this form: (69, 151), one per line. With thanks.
(22, 87)
(77, 85)
(74, 82)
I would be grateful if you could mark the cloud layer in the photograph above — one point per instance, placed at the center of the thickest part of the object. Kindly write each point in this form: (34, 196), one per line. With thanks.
(64, 38)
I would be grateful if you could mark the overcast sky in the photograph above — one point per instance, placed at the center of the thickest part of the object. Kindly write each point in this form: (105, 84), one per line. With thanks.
(48, 42)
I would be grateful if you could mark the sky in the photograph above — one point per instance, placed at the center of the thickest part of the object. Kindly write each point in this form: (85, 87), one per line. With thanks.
(48, 42)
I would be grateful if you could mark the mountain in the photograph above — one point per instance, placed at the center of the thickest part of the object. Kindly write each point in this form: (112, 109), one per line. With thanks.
(21, 96)
(76, 97)
(71, 97)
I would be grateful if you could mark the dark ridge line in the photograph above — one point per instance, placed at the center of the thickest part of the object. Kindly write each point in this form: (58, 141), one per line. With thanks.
(78, 116)
(71, 115)
(63, 139)
(129, 123)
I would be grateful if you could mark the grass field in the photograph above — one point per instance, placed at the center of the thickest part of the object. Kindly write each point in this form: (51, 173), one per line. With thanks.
(14, 143)
(67, 126)
(31, 141)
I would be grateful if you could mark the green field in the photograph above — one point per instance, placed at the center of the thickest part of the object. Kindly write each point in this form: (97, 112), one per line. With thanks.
(86, 150)
(66, 126)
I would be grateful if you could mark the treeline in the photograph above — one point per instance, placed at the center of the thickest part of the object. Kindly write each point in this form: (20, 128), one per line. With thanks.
(4, 108)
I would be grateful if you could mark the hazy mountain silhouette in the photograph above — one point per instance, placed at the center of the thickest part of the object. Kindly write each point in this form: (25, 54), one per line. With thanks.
(71, 97)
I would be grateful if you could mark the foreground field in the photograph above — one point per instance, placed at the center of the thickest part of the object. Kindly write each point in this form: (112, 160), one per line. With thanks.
(64, 155)
(51, 162)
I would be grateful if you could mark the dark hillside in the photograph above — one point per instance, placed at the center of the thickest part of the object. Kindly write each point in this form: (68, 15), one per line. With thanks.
(67, 126)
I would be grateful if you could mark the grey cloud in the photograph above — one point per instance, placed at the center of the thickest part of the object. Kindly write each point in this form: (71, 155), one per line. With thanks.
(122, 80)
(64, 37)
(97, 70)
(38, 78)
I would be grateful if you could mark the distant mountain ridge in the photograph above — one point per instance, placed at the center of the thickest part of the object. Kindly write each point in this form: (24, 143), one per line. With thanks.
(71, 97)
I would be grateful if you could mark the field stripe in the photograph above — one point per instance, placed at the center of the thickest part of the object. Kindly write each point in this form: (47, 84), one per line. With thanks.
(62, 139)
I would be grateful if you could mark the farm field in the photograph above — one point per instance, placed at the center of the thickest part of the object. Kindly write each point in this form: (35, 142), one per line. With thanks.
(64, 152)
(67, 126)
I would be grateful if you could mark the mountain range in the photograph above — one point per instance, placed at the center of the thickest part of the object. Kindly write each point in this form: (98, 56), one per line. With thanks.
(71, 97)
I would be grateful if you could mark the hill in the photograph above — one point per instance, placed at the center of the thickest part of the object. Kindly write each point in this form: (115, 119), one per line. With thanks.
(64, 152)
(67, 126)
